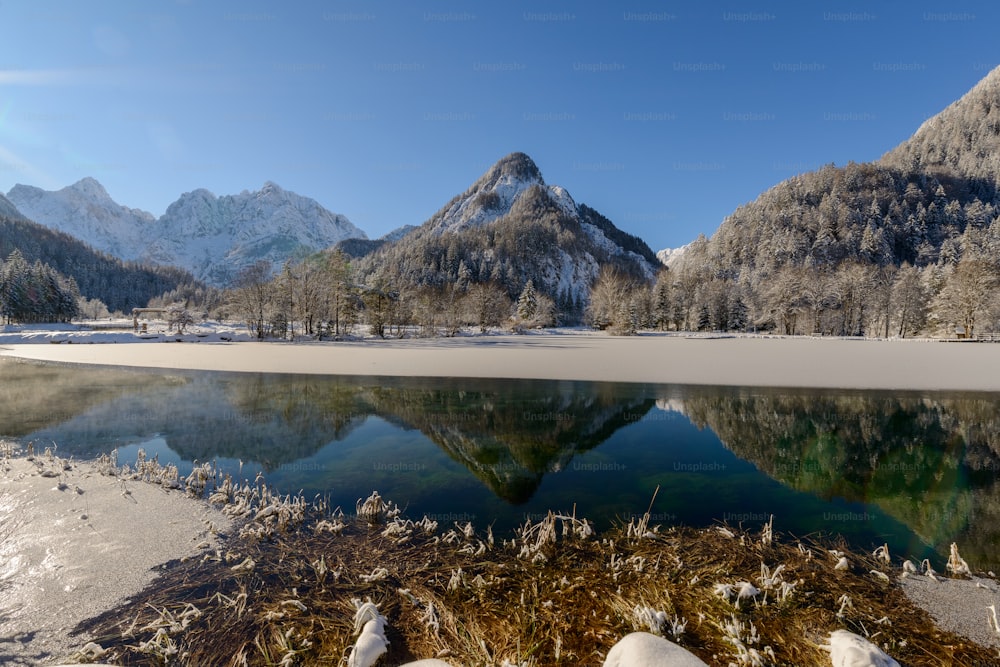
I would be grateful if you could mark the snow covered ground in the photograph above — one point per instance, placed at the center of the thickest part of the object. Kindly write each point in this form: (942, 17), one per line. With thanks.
(560, 354)
(118, 331)
(79, 543)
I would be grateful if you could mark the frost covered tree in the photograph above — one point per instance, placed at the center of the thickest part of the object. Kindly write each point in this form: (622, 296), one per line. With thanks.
(378, 308)
(340, 303)
(179, 317)
(254, 295)
(488, 305)
(909, 301)
(92, 309)
(968, 294)
(739, 314)
(527, 302)
(31, 293)
(617, 303)
(662, 301)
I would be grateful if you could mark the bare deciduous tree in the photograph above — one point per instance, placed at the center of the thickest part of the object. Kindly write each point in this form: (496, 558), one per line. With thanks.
(254, 295)
(968, 294)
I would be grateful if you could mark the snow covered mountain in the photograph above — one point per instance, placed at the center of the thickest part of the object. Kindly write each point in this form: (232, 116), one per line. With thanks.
(398, 233)
(86, 211)
(495, 193)
(8, 210)
(962, 140)
(510, 227)
(213, 237)
(668, 256)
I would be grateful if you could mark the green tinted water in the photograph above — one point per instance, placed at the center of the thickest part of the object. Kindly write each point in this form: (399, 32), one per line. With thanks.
(918, 471)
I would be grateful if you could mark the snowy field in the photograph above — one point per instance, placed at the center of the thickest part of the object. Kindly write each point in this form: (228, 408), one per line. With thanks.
(559, 354)
(118, 331)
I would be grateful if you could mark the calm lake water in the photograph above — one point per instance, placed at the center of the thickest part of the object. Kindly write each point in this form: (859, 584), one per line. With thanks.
(916, 470)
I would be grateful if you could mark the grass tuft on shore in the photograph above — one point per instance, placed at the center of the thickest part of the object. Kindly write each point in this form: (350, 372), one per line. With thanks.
(285, 589)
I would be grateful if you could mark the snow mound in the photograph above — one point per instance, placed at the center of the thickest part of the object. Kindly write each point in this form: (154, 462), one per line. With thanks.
(642, 649)
(850, 650)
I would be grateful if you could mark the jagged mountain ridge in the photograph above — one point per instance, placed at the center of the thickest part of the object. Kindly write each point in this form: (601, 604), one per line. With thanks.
(86, 211)
(509, 227)
(213, 237)
(8, 210)
(199, 229)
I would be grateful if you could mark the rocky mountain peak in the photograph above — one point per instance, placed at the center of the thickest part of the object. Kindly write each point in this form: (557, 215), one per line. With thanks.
(213, 237)
(516, 166)
(494, 194)
(89, 188)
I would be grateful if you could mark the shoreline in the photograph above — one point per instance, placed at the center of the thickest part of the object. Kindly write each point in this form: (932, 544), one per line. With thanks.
(958, 606)
(91, 545)
(76, 541)
(819, 363)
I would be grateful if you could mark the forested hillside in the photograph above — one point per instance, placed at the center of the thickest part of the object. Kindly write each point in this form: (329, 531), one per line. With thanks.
(510, 251)
(36, 292)
(508, 229)
(120, 285)
(908, 244)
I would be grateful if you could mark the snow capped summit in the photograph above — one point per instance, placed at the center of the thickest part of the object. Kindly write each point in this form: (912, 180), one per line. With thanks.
(85, 210)
(496, 192)
(213, 237)
(89, 188)
(510, 226)
(668, 256)
(200, 229)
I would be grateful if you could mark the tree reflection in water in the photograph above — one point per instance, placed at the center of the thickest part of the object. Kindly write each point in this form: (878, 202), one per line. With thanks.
(921, 468)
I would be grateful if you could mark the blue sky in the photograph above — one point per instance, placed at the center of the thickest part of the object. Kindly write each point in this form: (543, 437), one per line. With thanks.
(664, 116)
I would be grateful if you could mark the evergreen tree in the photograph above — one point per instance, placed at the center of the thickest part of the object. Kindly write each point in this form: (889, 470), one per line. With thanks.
(662, 301)
(738, 314)
(527, 303)
(14, 287)
(704, 318)
(35, 293)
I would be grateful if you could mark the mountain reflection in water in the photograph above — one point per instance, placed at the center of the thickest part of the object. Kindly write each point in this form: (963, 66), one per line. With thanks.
(918, 471)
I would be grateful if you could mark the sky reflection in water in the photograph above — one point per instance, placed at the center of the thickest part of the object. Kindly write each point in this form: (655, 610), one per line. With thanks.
(915, 470)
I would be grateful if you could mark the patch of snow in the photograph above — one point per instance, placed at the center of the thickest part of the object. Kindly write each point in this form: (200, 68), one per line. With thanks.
(561, 197)
(119, 332)
(469, 212)
(8, 210)
(398, 233)
(642, 649)
(850, 650)
(668, 256)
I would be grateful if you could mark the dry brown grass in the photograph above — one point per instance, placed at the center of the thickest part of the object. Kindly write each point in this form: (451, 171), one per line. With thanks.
(553, 594)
